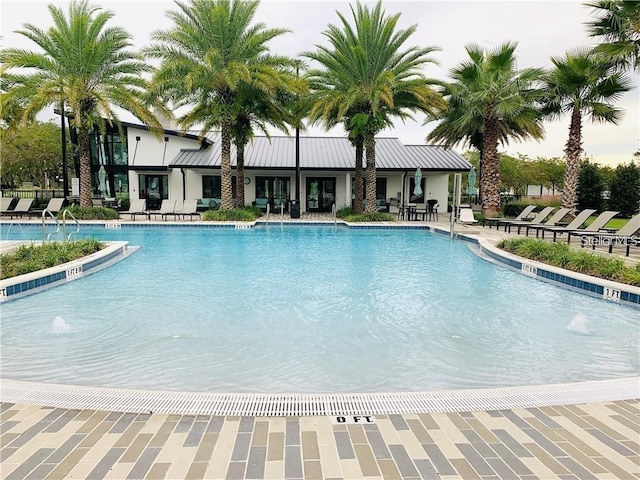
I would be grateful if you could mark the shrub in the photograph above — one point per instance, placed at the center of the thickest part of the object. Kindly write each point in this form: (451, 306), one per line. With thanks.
(561, 255)
(625, 190)
(31, 258)
(91, 213)
(344, 212)
(371, 217)
(247, 214)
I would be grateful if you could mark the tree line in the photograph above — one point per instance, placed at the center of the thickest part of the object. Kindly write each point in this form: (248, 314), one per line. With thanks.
(215, 65)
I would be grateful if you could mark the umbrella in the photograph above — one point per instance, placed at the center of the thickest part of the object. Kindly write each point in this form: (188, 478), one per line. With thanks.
(102, 176)
(471, 188)
(417, 190)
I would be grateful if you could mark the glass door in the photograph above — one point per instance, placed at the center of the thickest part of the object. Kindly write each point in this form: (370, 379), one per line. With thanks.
(321, 194)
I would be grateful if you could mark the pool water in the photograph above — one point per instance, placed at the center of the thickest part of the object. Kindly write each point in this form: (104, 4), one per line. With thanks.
(309, 309)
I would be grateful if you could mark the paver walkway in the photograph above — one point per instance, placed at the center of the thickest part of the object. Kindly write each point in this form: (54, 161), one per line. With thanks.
(580, 442)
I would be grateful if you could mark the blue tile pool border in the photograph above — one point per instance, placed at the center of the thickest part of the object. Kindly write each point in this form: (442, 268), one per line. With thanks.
(17, 287)
(596, 287)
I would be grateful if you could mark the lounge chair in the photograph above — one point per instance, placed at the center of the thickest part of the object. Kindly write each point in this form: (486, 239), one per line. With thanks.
(623, 236)
(54, 206)
(594, 227)
(573, 225)
(466, 216)
(168, 207)
(189, 207)
(521, 216)
(5, 205)
(137, 207)
(22, 208)
(553, 219)
(538, 219)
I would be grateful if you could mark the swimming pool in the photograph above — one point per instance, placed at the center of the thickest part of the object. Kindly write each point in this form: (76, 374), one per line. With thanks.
(310, 309)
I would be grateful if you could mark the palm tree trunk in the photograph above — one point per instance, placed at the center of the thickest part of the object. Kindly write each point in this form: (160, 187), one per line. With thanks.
(239, 176)
(370, 151)
(572, 153)
(85, 167)
(225, 166)
(490, 174)
(359, 191)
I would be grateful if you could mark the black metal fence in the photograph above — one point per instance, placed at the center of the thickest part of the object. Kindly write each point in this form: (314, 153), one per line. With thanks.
(38, 195)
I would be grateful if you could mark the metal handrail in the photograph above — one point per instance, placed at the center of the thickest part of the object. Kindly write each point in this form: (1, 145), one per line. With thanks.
(64, 230)
(333, 212)
(268, 212)
(44, 215)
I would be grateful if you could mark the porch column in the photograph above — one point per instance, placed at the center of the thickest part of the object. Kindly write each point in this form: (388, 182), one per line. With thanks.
(347, 190)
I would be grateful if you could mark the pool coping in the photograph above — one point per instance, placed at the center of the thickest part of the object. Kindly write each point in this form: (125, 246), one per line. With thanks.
(77, 397)
(34, 282)
(609, 290)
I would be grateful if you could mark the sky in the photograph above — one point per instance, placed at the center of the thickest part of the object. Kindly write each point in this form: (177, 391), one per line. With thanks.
(542, 29)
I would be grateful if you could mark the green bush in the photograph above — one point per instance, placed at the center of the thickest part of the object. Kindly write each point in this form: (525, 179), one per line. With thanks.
(371, 217)
(561, 255)
(344, 212)
(513, 209)
(90, 213)
(248, 214)
(31, 258)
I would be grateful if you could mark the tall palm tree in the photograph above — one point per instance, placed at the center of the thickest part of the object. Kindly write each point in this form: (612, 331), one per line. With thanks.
(582, 83)
(618, 24)
(367, 78)
(85, 67)
(450, 132)
(490, 102)
(256, 110)
(212, 50)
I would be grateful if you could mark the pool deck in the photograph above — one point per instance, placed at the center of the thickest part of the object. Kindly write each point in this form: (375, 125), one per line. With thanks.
(578, 441)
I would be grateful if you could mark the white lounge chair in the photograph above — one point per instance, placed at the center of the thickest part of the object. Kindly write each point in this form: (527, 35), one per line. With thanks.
(466, 216)
(137, 207)
(189, 207)
(168, 207)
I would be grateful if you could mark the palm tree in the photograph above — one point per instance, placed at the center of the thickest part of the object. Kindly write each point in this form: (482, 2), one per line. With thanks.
(450, 132)
(582, 83)
(211, 52)
(618, 24)
(490, 102)
(256, 110)
(85, 67)
(366, 79)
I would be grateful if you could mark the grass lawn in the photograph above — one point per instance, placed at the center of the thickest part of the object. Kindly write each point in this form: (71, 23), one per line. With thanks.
(616, 223)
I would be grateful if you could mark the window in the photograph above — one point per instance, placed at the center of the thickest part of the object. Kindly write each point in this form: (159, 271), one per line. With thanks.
(277, 188)
(212, 186)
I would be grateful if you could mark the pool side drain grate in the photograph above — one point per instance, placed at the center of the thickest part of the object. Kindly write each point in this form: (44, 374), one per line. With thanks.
(143, 401)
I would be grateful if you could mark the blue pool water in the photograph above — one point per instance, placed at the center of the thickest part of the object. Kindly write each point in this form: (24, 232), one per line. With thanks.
(309, 309)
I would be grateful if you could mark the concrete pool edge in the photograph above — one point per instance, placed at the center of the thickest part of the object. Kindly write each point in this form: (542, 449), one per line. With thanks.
(272, 404)
(608, 290)
(30, 283)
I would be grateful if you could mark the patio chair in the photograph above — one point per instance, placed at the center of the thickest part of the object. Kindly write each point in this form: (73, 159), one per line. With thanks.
(521, 216)
(137, 207)
(577, 222)
(594, 227)
(432, 209)
(538, 219)
(5, 205)
(168, 207)
(22, 208)
(189, 207)
(466, 216)
(553, 220)
(625, 236)
(54, 206)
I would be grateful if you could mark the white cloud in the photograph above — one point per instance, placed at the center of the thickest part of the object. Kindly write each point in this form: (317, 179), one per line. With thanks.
(542, 29)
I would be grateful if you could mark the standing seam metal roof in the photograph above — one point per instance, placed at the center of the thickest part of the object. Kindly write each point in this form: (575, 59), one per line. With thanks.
(329, 153)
